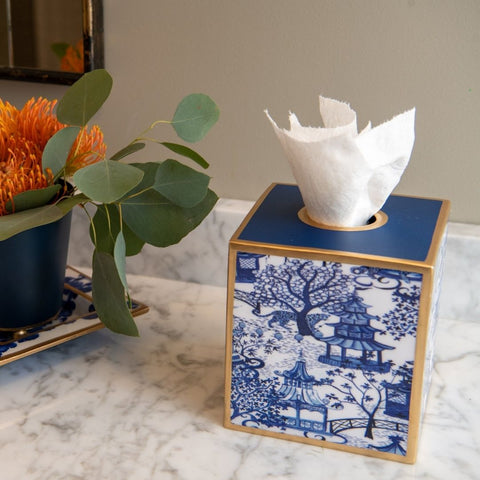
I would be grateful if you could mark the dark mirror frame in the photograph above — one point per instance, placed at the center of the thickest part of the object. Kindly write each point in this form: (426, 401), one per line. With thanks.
(92, 46)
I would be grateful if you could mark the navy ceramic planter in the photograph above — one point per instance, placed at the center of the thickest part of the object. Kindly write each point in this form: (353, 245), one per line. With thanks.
(33, 272)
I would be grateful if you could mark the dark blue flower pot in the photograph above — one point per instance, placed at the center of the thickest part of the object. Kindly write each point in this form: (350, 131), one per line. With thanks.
(32, 274)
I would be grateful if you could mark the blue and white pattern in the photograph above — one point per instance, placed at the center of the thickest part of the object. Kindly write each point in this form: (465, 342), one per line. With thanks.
(75, 304)
(76, 317)
(324, 350)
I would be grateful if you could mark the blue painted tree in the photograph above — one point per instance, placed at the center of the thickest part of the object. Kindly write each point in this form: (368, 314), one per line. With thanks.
(301, 286)
(402, 319)
(252, 399)
(360, 388)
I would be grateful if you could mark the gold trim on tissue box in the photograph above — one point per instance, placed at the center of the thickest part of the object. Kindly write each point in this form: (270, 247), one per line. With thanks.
(251, 320)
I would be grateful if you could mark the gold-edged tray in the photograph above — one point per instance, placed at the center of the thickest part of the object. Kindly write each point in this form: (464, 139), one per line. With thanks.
(76, 318)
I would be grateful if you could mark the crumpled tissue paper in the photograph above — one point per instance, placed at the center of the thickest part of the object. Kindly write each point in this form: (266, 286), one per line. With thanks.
(344, 176)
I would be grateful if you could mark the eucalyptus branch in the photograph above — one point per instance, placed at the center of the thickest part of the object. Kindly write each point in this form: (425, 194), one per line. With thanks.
(140, 192)
(151, 127)
(111, 184)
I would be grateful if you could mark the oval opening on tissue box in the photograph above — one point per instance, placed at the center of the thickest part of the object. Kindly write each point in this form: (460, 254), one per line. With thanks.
(378, 220)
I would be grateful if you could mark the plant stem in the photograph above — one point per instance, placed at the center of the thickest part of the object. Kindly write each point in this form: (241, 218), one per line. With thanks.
(109, 224)
(94, 232)
(151, 127)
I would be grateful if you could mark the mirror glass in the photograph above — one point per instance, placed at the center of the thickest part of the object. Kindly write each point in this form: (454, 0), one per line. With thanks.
(50, 40)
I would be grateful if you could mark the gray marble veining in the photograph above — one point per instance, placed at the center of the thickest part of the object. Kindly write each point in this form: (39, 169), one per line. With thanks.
(461, 280)
(105, 406)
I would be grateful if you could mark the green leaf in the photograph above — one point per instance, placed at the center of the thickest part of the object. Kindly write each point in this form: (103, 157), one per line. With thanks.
(106, 222)
(84, 98)
(59, 49)
(57, 149)
(128, 150)
(104, 228)
(109, 296)
(119, 254)
(34, 217)
(149, 170)
(67, 203)
(186, 152)
(182, 185)
(194, 117)
(107, 181)
(160, 223)
(33, 198)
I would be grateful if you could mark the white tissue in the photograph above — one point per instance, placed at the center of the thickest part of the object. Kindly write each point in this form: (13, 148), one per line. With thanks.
(345, 177)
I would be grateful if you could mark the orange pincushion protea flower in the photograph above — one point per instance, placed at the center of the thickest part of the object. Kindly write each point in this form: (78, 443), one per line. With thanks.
(36, 122)
(72, 61)
(23, 136)
(87, 149)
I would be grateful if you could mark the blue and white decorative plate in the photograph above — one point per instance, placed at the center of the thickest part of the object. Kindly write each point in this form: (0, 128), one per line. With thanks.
(76, 318)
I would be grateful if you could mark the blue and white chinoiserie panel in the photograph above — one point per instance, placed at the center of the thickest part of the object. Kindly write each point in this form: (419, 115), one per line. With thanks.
(324, 350)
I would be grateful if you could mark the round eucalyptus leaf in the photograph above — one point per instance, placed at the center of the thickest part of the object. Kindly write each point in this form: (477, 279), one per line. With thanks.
(15, 223)
(58, 147)
(119, 255)
(106, 223)
(128, 150)
(84, 98)
(158, 222)
(32, 198)
(182, 185)
(149, 170)
(109, 295)
(186, 152)
(194, 116)
(107, 181)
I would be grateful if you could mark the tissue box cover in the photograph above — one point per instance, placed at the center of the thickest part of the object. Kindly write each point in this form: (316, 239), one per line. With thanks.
(330, 331)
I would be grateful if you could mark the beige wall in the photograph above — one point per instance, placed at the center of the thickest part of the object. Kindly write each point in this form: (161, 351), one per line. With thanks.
(383, 57)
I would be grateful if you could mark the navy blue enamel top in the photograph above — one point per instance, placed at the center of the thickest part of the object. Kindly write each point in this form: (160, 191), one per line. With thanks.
(406, 235)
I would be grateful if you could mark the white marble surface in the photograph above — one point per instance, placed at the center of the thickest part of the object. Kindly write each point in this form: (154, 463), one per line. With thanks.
(105, 406)
(202, 257)
(461, 284)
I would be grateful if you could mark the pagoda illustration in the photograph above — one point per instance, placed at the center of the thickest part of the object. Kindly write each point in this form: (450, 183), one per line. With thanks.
(353, 343)
(304, 409)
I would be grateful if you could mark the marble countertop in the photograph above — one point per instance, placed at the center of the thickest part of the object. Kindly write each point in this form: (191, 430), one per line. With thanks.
(104, 406)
